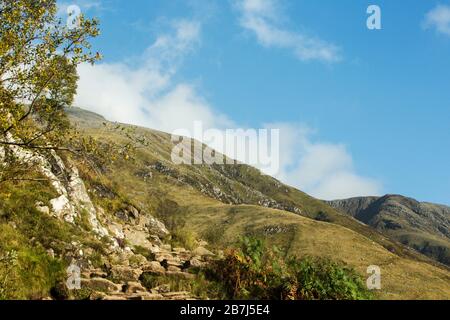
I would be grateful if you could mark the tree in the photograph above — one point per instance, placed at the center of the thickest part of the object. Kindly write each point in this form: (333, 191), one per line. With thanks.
(38, 60)
(39, 56)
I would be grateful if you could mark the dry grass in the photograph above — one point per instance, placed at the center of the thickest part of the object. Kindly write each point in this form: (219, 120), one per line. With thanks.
(405, 273)
(402, 278)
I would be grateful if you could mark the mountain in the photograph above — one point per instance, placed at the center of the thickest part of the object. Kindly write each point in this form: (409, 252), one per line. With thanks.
(221, 203)
(419, 225)
(138, 226)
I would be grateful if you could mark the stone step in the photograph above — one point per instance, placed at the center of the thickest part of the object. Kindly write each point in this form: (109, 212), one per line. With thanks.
(173, 269)
(124, 273)
(181, 295)
(154, 267)
(114, 297)
(134, 287)
(164, 288)
(171, 263)
(94, 273)
(166, 247)
(201, 251)
(100, 284)
(196, 262)
(144, 296)
(165, 256)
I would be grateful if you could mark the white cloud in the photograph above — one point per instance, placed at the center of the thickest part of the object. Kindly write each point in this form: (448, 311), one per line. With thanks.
(324, 170)
(439, 19)
(148, 95)
(262, 18)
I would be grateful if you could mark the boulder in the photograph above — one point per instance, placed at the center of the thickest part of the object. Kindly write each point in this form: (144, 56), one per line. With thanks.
(97, 295)
(156, 227)
(166, 247)
(173, 269)
(137, 238)
(155, 239)
(133, 212)
(125, 273)
(100, 284)
(42, 208)
(161, 256)
(134, 287)
(196, 262)
(201, 251)
(153, 267)
(62, 208)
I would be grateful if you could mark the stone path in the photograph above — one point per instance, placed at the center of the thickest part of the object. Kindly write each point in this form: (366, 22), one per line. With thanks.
(123, 281)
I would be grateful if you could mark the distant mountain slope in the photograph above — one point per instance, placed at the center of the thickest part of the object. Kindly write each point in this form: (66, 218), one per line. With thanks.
(222, 203)
(420, 225)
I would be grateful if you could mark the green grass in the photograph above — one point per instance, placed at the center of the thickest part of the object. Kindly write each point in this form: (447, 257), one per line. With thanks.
(31, 273)
(30, 233)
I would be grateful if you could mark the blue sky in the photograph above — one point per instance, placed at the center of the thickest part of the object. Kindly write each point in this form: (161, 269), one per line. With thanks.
(363, 111)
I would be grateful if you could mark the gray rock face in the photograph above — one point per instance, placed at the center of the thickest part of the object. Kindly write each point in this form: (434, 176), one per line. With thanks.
(420, 225)
(353, 206)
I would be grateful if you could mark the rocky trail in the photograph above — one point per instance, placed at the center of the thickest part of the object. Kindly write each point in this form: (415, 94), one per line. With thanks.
(124, 281)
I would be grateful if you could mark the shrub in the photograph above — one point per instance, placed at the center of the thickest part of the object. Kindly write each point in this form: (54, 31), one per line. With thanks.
(253, 271)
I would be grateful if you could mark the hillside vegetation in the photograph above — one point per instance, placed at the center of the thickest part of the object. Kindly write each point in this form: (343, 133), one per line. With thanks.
(220, 204)
(96, 210)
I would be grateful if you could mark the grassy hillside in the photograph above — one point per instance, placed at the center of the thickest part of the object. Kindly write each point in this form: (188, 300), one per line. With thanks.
(32, 243)
(222, 203)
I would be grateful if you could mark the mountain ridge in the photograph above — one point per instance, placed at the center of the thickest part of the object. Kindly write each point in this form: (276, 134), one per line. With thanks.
(221, 203)
(423, 226)
(123, 219)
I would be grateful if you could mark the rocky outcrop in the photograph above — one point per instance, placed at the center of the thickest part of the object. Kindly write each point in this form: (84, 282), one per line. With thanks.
(72, 195)
(73, 201)
(224, 176)
(353, 206)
